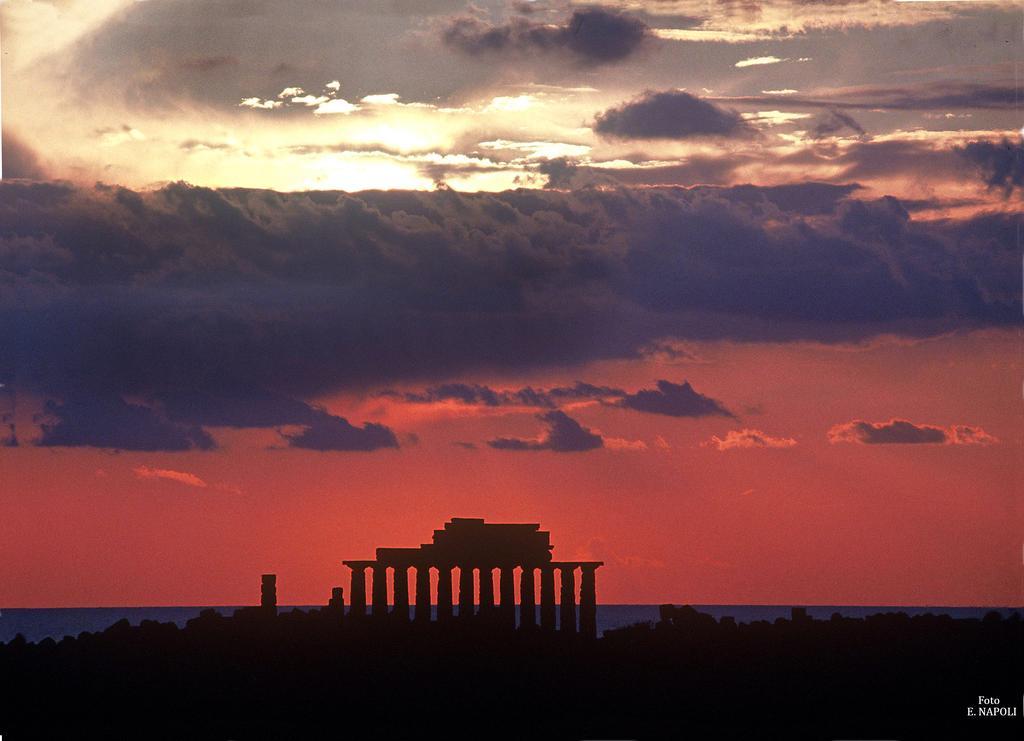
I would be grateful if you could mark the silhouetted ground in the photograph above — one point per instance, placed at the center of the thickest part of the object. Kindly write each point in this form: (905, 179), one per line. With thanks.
(310, 675)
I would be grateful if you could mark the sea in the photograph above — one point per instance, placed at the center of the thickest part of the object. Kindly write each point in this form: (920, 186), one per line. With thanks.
(36, 624)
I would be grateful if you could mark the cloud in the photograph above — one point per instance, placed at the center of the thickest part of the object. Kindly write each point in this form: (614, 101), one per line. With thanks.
(671, 114)
(591, 35)
(235, 407)
(112, 136)
(476, 394)
(564, 435)
(560, 171)
(329, 433)
(1000, 163)
(511, 103)
(209, 63)
(107, 421)
(315, 100)
(564, 174)
(112, 291)
(260, 104)
(867, 159)
(901, 431)
(381, 99)
(755, 61)
(940, 95)
(618, 443)
(834, 122)
(182, 477)
(748, 438)
(708, 35)
(967, 435)
(19, 159)
(337, 105)
(674, 400)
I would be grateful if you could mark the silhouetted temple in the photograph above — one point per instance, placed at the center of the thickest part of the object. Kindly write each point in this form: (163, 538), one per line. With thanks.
(476, 549)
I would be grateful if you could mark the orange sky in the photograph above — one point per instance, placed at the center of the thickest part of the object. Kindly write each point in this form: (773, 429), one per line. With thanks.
(816, 522)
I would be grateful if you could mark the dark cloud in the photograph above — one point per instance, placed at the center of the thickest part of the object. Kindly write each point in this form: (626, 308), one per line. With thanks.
(19, 159)
(561, 172)
(476, 394)
(107, 421)
(247, 408)
(176, 419)
(834, 122)
(564, 435)
(900, 431)
(591, 35)
(674, 400)
(808, 199)
(184, 288)
(1001, 163)
(235, 408)
(328, 433)
(671, 114)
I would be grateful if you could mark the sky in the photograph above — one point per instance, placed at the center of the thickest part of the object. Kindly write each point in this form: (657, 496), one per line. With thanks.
(724, 294)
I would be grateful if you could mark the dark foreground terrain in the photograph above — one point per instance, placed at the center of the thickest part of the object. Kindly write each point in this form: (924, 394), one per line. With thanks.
(316, 675)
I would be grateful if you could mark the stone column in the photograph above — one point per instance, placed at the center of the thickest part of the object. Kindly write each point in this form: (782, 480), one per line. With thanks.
(444, 594)
(422, 594)
(507, 590)
(380, 590)
(465, 591)
(487, 591)
(588, 600)
(357, 590)
(527, 599)
(547, 597)
(401, 587)
(268, 592)
(567, 618)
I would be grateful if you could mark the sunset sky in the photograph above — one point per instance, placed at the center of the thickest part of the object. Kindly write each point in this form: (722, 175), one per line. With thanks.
(724, 294)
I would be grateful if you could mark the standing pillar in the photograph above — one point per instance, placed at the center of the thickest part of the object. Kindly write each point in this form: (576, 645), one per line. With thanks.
(401, 587)
(268, 592)
(487, 591)
(588, 600)
(380, 590)
(547, 597)
(507, 590)
(422, 594)
(444, 594)
(357, 589)
(465, 591)
(567, 618)
(527, 599)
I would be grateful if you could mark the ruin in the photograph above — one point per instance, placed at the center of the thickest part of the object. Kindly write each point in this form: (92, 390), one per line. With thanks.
(477, 549)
